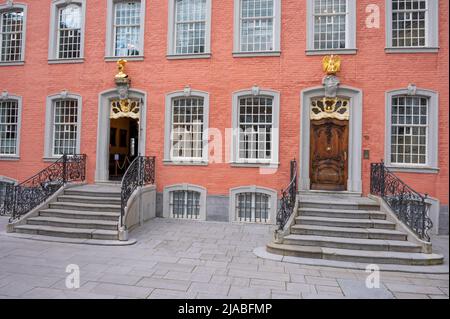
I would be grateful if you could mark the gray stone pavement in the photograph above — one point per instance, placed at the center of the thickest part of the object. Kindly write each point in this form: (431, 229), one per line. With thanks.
(189, 259)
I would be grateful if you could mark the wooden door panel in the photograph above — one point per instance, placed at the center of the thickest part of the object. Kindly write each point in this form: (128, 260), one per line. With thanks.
(329, 148)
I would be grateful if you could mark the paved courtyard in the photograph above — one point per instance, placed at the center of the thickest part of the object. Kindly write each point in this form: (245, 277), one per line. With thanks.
(183, 259)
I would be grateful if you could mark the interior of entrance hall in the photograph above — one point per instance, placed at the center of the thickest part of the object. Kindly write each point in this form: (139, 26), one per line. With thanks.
(123, 145)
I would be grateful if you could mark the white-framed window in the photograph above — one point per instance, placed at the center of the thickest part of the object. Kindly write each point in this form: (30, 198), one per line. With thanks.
(67, 23)
(12, 33)
(253, 204)
(5, 182)
(186, 136)
(255, 127)
(9, 127)
(412, 129)
(184, 201)
(63, 125)
(257, 27)
(331, 26)
(125, 33)
(412, 25)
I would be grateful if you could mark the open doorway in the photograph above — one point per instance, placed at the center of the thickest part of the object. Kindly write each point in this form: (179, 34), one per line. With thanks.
(123, 145)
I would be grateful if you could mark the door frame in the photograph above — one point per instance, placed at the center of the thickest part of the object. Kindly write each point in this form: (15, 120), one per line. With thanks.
(354, 181)
(103, 128)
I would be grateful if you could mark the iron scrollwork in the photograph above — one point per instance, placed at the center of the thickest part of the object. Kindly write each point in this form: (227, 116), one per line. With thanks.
(22, 198)
(409, 206)
(140, 172)
(288, 198)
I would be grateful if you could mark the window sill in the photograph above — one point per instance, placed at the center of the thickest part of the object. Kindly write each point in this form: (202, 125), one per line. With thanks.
(412, 50)
(328, 52)
(185, 163)
(12, 63)
(65, 61)
(128, 58)
(9, 158)
(256, 54)
(188, 56)
(51, 159)
(255, 164)
(418, 169)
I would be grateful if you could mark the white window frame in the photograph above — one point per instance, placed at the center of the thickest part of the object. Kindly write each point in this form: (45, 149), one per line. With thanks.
(10, 97)
(187, 93)
(276, 32)
(273, 162)
(273, 202)
(184, 187)
(350, 31)
(171, 35)
(49, 123)
(432, 165)
(110, 32)
(53, 50)
(431, 34)
(10, 6)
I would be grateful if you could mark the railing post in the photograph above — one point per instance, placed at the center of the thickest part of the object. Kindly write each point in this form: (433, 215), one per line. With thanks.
(383, 176)
(64, 168)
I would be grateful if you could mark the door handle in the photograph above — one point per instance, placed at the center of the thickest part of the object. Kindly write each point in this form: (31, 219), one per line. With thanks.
(345, 155)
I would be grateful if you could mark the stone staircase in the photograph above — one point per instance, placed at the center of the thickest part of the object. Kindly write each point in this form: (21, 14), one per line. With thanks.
(352, 229)
(83, 212)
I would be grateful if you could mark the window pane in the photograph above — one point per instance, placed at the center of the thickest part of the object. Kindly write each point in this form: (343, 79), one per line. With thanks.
(187, 128)
(409, 23)
(255, 128)
(69, 32)
(9, 111)
(330, 24)
(65, 127)
(409, 130)
(11, 35)
(127, 21)
(190, 20)
(257, 25)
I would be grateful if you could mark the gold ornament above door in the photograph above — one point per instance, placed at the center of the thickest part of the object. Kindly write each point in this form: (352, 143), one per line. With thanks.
(330, 108)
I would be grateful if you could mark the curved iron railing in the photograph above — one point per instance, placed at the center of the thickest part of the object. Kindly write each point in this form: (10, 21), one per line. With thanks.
(140, 172)
(409, 205)
(288, 198)
(22, 198)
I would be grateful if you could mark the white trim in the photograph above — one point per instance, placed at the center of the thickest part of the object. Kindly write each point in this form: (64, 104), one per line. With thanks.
(55, 6)
(273, 200)
(184, 187)
(16, 156)
(234, 159)
(6, 7)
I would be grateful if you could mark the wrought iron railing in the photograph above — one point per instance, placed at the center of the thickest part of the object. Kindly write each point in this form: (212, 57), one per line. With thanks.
(140, 172)
(22, 198)
(288, 198)
(409, 206)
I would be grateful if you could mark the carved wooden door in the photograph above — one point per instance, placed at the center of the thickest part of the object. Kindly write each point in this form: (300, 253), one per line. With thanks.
(329, 154)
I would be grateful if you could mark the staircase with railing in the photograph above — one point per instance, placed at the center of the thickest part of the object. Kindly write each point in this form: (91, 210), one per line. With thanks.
(288, 198)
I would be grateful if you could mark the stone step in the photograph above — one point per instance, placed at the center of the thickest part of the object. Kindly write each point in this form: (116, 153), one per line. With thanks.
(341, 213)
(352, 243)
(67, 232)
(360, 256)
(89, 199)
(346, 232)
(339, 203)
(85, 207)
(344, 222)
(74, 214)
(73, 223)
(89, 193)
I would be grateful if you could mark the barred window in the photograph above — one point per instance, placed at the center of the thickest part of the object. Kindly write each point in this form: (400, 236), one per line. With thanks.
(11, 35)
(185, 204)
(330, 19)
(409, 23)
(255, 128)
(252, 207)
(190, 20)
(3, 190)
(65, 127)
(409, 130)
(69, 32)
(9, 121)
(257, 25)
(127, 28)
(187, 128)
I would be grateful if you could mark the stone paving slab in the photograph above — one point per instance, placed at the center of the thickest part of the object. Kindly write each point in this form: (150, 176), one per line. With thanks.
(178, 259)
